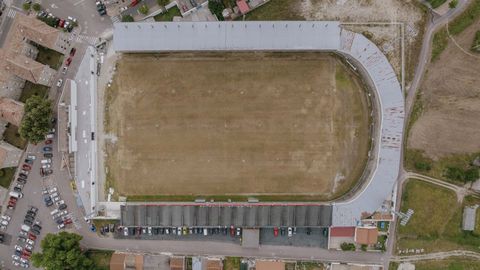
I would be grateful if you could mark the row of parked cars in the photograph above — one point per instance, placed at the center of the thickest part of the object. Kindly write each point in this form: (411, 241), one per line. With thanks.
(20, 182)
(131, 231)
(67, 24)
(26, 239)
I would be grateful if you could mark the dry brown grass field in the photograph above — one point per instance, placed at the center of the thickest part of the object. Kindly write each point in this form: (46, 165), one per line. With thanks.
(235, 123)
(451, 102)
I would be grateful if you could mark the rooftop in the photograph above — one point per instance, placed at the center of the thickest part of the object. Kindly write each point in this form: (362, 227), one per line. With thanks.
(469, 218)
(342, 231)
(366, 235)
(11, 111)
(243, 6)
(269, 265)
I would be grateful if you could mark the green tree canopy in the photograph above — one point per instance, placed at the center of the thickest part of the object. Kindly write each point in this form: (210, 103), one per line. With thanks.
(36, 120)
(143, 9)
(163, 3)
(36, 7)
(127, 18)
(453, 4)
(62, 251)
(216, 8)
(26, 6)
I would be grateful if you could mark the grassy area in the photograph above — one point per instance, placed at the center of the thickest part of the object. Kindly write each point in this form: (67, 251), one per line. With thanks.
(275, 10)
(31, 89)
(417, 111)
(231, 263)
(437, 167)
(309, 266)
(436, 3)
(436, 223)
(476, 42)
(448, 264)
(440, 42)
(469, 16)
(168, 16)
(393, 266)
(6, 176)
(12, 137)
(100, 257)
(455, 27)
(49, 57)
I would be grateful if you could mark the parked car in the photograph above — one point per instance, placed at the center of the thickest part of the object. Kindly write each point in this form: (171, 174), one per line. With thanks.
(275, 231)
(59, 82)
(47, 149)
(68, 61)
(22, 175)
(48, 155)
(17, 189)
(48, 141)
(62, 206)
(28, 161)
(26, 167)
(21, 181)
(290, 232)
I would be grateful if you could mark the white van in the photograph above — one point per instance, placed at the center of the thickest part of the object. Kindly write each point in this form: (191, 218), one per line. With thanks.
(25, 228)
(50, 136)
(15, 194)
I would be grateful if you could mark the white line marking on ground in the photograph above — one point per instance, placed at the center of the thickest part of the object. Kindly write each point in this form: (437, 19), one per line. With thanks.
(78, 3)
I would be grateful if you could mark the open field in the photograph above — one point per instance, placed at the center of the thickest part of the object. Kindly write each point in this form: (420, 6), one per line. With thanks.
(237, 123)
(450, 102)
(450, 264)
(436, 223)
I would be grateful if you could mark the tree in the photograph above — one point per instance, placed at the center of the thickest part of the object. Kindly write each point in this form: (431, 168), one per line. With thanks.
(471, 175)
(26, 6)
(454, 173)
(347, 246)
(453, 4)
(36, 120)
(163, 3)
(143, 9)
(216, 8)
(62, 251)
(37, 7)
(127, 18)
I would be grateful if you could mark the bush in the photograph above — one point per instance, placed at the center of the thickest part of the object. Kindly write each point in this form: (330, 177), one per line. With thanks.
(453, 4)
(143, 9)
(26, 6)
(454, 173)
(471, 175)
(37, 7)
(127, 18)
(423, 166)
(2, 172)
(347, 246)
(216, 8)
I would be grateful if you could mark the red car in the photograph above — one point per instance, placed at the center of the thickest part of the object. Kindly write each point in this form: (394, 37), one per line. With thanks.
(13, 199)
(67, 221)
(11, 205)
(61, 23)
(72, 52)
(275, 231)
(69, 60)
(232, 231)
(26, 167)
(32, 236)
(48, 141)
(25, 256)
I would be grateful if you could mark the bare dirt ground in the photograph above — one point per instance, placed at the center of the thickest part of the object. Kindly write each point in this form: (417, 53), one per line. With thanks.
(235, 124)
(451, 100)
(387, 37)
